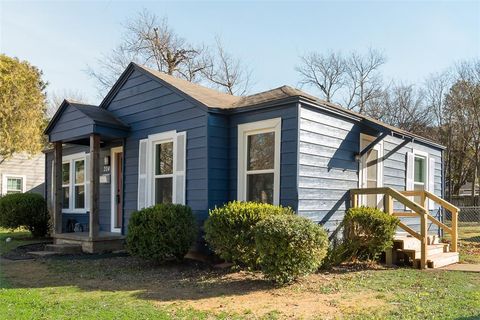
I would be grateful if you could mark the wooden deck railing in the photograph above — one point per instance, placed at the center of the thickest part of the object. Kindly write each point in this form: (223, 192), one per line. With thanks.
(417, 210)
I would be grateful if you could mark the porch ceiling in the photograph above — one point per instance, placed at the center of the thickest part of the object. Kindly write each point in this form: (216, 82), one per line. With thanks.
(75, 122)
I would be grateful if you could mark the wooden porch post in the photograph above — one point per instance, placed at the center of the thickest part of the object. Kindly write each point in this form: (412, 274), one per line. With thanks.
(58, 196)
(94, 186)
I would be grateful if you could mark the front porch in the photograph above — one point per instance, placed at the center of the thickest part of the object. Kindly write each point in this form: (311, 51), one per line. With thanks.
(102, 242)
(93, 127)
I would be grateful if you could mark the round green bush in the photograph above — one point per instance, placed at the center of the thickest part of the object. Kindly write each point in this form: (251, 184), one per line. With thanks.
(367, 233)
(162, 232)
(290, 247)
(25, 210)
(229, 230)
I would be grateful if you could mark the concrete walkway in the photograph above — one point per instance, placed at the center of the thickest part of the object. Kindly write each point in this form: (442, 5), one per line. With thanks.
(462, 267)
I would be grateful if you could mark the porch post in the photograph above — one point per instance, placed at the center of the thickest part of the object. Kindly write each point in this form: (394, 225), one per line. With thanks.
(57, 183)
(94, 185)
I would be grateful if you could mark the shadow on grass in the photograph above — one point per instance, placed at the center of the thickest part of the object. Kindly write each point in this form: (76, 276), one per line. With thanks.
(168, 282)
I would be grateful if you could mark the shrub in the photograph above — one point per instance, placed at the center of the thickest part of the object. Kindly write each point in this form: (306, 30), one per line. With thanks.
(27, 210)
(290, 247)
(229, 230)
(367, 233)
(162, 232)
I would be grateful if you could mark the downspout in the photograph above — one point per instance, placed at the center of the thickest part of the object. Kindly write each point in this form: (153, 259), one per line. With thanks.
(123, 185)
(442, 210)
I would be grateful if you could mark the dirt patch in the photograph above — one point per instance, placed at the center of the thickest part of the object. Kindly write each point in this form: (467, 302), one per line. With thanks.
(197, 286)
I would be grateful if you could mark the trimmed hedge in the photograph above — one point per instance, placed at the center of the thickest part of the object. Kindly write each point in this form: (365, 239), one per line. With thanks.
(289, 247)
(162, 232)
(26, 210)
(229, 230)
(367, 233)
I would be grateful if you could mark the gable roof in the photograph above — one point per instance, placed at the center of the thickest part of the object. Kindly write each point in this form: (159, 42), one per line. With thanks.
(214, 99)
(96, 115)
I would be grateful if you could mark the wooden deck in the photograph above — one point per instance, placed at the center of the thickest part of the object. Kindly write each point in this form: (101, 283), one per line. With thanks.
(103, 242)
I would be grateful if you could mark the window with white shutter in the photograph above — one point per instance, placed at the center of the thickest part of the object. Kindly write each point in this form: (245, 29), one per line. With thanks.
(142, 174)
(162, 168)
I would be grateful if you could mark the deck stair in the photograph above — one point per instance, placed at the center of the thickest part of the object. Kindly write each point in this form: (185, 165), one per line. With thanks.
(408, 248)
(416, 247)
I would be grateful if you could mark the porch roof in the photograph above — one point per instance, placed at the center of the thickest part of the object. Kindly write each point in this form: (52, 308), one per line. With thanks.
(76, 121)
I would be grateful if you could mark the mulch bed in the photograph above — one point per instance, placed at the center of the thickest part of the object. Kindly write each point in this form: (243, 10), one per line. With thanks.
(21, 252)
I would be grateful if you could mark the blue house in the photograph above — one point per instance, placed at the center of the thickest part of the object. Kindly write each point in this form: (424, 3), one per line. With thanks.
(155, 138)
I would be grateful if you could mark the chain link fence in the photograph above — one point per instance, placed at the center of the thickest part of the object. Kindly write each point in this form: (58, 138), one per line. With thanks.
(468, 232)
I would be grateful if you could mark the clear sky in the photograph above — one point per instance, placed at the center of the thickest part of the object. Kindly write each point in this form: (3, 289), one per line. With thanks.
(418, 38)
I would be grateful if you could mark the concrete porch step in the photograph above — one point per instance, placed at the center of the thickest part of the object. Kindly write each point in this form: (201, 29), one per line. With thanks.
(64, 248)
(43, 254)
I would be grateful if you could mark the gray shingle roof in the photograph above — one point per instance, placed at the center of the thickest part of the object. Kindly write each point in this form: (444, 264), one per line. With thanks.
(98, 115)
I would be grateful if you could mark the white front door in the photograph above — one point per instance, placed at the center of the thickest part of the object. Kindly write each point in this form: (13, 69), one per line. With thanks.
(371, 171)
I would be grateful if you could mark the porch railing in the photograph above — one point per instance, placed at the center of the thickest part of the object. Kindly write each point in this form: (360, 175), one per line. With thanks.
(417, 210)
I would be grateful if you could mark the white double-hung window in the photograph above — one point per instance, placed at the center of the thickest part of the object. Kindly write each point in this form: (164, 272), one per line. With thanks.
(75, 182)
(13, 184)
(259, 161)
(161, 169)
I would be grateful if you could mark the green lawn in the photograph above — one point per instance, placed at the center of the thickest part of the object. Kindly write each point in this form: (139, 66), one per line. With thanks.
(116, 287)
(468, 242)
(17, 238)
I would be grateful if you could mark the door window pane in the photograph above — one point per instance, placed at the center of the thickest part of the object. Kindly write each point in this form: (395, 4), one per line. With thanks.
(79, 197)
(164, 158)
(163, 190)
(65, 173)
(260, 187)
(261, 151)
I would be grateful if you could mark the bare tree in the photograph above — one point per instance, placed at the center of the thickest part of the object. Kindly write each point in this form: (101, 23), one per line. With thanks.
(401, 105)
(363, 82)
(150, 41)
(55, 99)
(325, 72)
(227, 72)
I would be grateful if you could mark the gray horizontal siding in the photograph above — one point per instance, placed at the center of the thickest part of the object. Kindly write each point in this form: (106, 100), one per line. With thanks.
(148, 107)
(32, 167)
(327, 169)
(326, 166)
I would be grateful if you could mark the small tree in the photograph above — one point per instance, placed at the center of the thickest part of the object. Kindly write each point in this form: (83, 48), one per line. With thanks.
(22, 107)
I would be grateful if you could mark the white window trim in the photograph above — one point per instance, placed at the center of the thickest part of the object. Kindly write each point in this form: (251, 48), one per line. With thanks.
(154, 139)
(425, 155)
(71, 159)
(246, 129)
(5, 177)
(113, 185)
(363, 169)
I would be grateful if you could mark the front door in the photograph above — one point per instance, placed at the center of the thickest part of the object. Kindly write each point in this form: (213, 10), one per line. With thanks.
(117, 189)
(371, 173)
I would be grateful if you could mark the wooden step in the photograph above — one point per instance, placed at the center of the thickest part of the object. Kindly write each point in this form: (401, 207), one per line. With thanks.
(64, 248)
(432, 249)
(442, 259)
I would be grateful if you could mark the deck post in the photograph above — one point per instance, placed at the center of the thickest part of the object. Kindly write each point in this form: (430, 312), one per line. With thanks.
(424, 231)
(57, 183)
(354, 199)
(454, 230)
(94, 222)
(388, 203)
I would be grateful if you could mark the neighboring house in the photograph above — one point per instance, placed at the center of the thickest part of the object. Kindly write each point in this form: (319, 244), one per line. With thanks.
(161, 139)
(22, 173)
